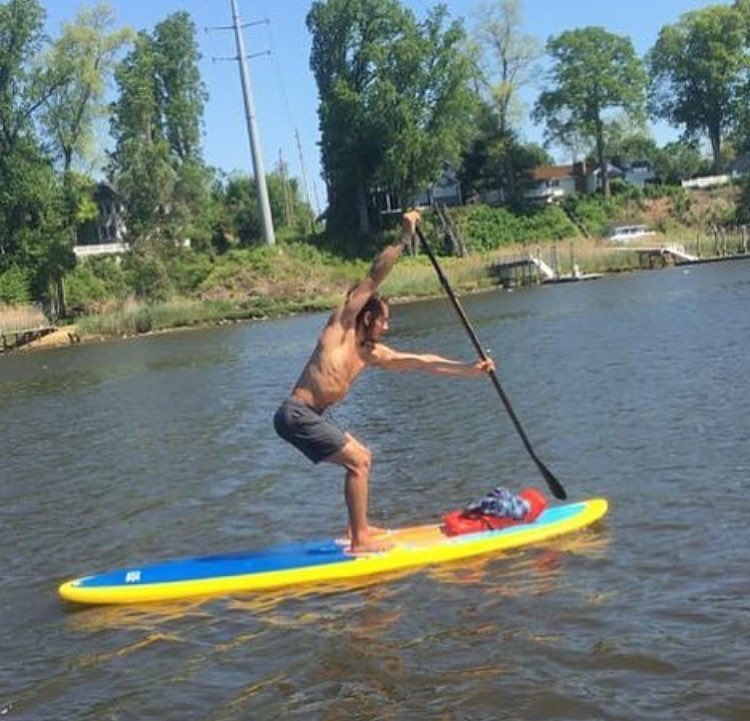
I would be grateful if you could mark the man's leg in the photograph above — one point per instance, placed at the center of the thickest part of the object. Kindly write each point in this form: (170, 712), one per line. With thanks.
(357, 460)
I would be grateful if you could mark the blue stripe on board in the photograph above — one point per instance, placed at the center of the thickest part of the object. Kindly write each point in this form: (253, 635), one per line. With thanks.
(276, 558)
(279, 558)
(560, 513)
(549, 517)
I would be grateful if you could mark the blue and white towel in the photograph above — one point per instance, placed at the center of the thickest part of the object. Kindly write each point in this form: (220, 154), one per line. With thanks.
(502, 503)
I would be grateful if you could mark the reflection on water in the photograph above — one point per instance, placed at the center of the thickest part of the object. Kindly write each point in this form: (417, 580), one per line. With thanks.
(633, 388)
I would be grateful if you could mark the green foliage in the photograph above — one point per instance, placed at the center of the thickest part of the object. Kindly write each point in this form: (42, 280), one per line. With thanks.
(507, 56)
(96, 283)
(239, 219)
(30, 227)
(742, 213)
(143, 321)
(594, 71)
(485, 228)
(188, 269)
(593, 213)
(148, 275)
(677, 161)
(394, 99)
(85, 292)
(497, 160)
(78, 67)
(294, 271)
(699, 73)
(14, 286)
(156, 123)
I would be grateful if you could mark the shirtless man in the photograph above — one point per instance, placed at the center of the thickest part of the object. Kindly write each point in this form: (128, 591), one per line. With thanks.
(349, 343)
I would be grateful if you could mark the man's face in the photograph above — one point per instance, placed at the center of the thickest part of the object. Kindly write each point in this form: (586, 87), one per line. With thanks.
(379, 324)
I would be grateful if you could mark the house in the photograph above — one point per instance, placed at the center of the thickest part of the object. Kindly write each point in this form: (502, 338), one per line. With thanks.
(550, 183)
(445, 191)
(638, 173)
(104, 235)
(740, 166)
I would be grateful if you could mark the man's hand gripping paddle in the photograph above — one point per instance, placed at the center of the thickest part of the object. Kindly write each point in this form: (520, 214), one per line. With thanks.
(554, 485)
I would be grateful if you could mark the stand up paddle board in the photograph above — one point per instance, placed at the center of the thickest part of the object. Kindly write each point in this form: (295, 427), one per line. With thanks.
(327, 560)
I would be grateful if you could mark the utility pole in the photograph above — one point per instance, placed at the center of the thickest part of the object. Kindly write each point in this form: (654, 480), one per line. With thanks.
(252, 129)
(304, 176)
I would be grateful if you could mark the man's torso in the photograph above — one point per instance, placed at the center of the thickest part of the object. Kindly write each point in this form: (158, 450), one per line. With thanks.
(333, 367)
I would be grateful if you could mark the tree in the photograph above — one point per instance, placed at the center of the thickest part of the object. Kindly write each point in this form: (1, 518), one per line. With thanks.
(156, 122)
(497, 161)
(82, 58)
(678, 161)
(30, 209)
(237, 200)
(699, 73)
(180, 91)
(507, 57)
(77, 68)
(394, 98)
(593, 73)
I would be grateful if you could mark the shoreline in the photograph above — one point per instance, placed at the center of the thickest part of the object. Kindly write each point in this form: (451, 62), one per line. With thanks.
(70, 335)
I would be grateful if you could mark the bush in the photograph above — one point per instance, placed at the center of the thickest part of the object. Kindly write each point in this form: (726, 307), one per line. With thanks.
(148, 276)
(188, 270)
(485, 228)
(85, 292)
(143, 321)
(15, 288)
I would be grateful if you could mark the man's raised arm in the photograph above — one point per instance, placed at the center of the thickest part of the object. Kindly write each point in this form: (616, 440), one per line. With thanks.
(382, 265)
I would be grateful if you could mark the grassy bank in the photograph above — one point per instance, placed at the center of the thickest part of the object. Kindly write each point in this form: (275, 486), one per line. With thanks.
(412, 278)
(306, 289)
(14, 318)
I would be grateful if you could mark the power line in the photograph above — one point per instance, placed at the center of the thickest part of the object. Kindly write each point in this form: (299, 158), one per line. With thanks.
(264, 206)
(281, 87)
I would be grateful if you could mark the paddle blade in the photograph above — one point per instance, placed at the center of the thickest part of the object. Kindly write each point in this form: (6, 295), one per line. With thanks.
(554, 485)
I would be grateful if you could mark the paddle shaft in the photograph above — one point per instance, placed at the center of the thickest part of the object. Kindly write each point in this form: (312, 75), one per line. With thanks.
(554, 485)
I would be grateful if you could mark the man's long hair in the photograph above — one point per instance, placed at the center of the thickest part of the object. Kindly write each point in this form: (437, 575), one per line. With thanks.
(376, 306)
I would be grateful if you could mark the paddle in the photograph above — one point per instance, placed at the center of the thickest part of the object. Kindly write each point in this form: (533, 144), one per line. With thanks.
(554, 485)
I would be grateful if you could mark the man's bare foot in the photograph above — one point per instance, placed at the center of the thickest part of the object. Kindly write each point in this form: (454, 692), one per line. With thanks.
(371, 531)
(370, 546)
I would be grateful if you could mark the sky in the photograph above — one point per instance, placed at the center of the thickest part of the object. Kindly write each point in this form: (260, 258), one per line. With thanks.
(283, 88)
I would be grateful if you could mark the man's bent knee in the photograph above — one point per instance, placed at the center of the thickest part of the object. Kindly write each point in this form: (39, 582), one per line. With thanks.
(354, 456)
(362, 463)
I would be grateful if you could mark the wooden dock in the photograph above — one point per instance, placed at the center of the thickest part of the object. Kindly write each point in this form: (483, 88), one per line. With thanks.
(531, 270)
(659, 256)
(665, 255)
(16, 338)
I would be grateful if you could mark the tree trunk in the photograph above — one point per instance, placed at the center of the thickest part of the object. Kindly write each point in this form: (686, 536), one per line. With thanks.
(715, 138)
(364, 219)
(602, 161)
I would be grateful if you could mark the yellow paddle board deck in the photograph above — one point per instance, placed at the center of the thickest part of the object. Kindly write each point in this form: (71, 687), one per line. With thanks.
(317, 561)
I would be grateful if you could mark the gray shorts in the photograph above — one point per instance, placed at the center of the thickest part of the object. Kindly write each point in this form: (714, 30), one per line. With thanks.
(306, 429)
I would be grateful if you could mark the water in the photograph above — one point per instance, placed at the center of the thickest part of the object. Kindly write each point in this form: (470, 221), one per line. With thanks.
(634, 388)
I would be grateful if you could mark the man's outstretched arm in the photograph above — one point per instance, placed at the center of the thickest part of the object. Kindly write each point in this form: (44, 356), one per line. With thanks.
(381, 356)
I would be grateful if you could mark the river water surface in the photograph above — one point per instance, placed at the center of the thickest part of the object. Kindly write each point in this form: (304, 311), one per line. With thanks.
(635, 388)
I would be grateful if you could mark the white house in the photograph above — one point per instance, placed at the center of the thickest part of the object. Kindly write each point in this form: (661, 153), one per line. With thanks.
(550, 183)
(553, 182)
